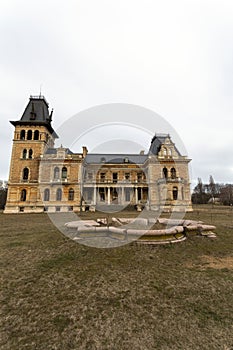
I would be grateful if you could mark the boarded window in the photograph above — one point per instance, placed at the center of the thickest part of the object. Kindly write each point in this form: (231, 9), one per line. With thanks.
(71, 194)
(23, 195)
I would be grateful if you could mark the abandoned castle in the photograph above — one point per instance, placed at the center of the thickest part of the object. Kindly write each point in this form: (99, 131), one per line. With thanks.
(45, 178)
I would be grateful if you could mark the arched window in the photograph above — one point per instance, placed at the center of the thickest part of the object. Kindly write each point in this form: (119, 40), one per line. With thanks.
(36, 135)
(71, 194)
(59, 194)
(30, 153)
(46, 195)
(22, 135)
(29, 135)
(25, 173)
(24, 154)
(165, 172)
(23, 195)
(175, 193)
(64, 173)
(173, 173)
(56, 173)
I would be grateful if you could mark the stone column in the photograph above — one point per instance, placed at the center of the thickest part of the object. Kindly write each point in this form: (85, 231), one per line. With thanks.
(136, 195)
(108, 195)
(94, 195)
(122, 195)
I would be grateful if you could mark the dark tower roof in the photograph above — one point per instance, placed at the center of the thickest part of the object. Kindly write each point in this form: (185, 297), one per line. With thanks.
(156, 143)
(37, 113)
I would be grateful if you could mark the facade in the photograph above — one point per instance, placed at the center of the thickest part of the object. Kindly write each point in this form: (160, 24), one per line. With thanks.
(45, 178)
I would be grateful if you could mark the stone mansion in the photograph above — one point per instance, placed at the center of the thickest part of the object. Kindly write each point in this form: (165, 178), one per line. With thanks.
(45, 178)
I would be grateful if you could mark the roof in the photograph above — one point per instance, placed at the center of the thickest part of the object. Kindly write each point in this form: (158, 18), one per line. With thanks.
(93, 158)
(54, 151)
(37, 113)
(157, 141)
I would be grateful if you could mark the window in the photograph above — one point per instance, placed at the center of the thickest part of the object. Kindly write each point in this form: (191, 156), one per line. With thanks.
(71, 194)
(30, 153)
(103, 160)
(90, 176)
(102, 177)
(23, 195)
(25, 173)
(102, 194)
(127, 176)
(46, 195)
(173, 173)
(24, 154)
(89, 194)
(126, 160)
(165, 172)
(139, 177)
(164, 151)
(139, 194)
(58, 208)
(36, 135)
(59, 194)
(175, 193)
(29, 135)
(22, 135)
(114, 177)
(127, 194)
(64, 173)
(56, 173)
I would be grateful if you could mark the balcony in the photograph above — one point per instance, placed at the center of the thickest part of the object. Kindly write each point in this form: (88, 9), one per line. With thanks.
(171, 180)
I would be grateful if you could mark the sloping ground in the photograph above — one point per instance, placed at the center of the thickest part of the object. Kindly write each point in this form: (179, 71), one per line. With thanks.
(57, 294)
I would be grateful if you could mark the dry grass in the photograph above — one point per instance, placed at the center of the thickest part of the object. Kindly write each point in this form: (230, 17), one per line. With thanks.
(57, 294)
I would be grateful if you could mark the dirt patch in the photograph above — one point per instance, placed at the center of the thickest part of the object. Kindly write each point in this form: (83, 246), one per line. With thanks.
(218, 263)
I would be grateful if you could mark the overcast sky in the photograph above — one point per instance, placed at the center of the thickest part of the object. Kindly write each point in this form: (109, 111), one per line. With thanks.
(172, 57)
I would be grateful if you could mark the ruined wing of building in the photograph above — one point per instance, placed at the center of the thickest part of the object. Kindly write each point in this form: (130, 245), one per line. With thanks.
(45, 178)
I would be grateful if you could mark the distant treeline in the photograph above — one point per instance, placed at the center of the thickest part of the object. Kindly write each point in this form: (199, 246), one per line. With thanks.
(212, 193)
(3, 193)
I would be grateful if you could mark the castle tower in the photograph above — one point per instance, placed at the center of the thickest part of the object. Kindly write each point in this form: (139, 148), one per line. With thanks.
(33, 134)
(168, 175)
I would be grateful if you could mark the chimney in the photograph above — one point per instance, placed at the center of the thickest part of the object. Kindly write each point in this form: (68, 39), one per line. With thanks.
(85, 151)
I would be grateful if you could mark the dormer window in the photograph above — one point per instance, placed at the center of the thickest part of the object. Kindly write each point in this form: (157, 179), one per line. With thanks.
(32, 113)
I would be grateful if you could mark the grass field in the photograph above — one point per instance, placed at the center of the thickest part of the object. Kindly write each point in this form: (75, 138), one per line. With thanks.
(57, 294)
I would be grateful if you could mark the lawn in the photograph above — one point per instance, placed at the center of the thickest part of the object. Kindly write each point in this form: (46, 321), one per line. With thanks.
(57, 294)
